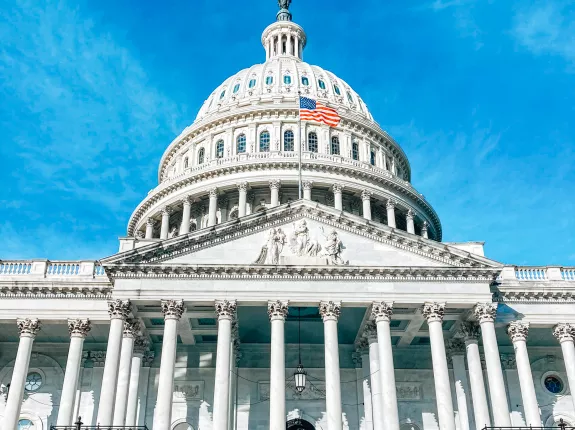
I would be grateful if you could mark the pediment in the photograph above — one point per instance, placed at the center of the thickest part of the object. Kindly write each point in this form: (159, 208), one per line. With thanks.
(301, 234)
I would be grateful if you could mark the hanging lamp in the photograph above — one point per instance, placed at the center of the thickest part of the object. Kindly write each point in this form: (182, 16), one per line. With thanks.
(300, 374)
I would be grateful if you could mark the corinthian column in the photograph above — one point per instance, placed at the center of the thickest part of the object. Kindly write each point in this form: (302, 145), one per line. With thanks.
(141, 346)
(131, 329)
(275, 185)
(243, 191)
(409, 219)
(78, 330)
(186, 212)
(213, 208)
(149, 228)
(277, 312)
(362, 351)
(225, 311)
(28, 329)
(366, 199)
(172, 310)
(518, 332)
(565, 333)
(165, 228)
(330, 312)
(337, 196)
(381, 313)
(370, 333)
(485, 314)
(307, 186)
(390, 206)
(119, 311)
(456, 352)
(433, 313)
(470, 331)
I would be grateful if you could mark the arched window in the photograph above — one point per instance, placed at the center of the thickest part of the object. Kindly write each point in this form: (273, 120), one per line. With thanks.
(186, 163)
(355, 151)
(269, 80)
(236, 88)
(312, 142)
(252, 83)
(335, 145)
(220, 149)
(304, 81)
(223, 93)
(264, 141)
(241, 143)
(321, 84)
(372, 157)
(349, 97)
(336, 89)
(201, 154)
(288, 140)
(287, 79)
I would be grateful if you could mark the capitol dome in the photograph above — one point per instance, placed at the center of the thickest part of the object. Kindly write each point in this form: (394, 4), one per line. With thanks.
(247, 152)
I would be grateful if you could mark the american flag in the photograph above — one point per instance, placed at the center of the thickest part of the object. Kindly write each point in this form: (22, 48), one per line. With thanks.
(310, 110)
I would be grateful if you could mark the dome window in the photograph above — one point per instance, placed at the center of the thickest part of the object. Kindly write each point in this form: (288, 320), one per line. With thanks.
(241, 143)
(222, 94)
(288, 140)
(201, 155)
(220, 149)
(336, 89)
(252, 83)
(312, 142)
(264, 141)
(355, 151)
(349, 97)
(372, 157)
(321, 84)
(335, 145)
(304, 81)
(287, 79)
(236, 88)
(269, 80)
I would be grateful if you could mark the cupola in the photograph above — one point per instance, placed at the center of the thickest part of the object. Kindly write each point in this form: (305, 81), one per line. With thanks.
(284, 37)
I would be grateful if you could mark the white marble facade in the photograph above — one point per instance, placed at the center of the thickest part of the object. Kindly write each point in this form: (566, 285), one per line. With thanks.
(267, 244)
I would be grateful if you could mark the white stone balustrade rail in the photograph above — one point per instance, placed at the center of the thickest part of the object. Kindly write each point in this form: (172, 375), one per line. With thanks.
(51, 269)
(537, 273)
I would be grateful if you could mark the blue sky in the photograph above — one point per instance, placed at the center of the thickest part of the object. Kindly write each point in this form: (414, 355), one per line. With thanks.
(480, 94)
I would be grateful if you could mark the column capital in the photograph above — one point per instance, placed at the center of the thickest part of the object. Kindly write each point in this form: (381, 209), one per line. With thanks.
(370, 332)
(242, 186)
(213, 193)
(455, 346)
(381, 311)
(187, 200)
(470, 330)
(307, 184)
(366, 195)
(275, 184)
(362, 346)
(150, 222)
(518, 330)
(337, 188)
(141, 346)
(278, 309)
(485, 312)
(119, 309)
(356, 357)
(172, 309)
(131, 328)
(433, 311)
(564, 332)
(28, 327)
(148, 358)
(390, 204)
(330, 310)
(226, 309)
(79, 327)
(166, 211)
(508, 361)
(410, 214)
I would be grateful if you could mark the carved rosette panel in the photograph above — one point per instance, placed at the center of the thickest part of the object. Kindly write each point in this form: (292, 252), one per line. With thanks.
(370, 332)
(330, 310)
(172, 309)
(119, 309)
(470, 330)
(518, 331)
(28, 326)
(564, 332)
(381, 311)
(79, 327)
(278, 310)
(434, 312)
(226, 309)
(131, 327)
(141, 345)
(485, 312)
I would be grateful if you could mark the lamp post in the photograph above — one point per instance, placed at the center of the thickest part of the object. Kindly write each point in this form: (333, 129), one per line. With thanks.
(300, 373)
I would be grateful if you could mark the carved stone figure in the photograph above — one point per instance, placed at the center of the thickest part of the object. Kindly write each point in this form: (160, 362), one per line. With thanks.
(300, 242)
(173, 232)
(332, 248)
(284, 4)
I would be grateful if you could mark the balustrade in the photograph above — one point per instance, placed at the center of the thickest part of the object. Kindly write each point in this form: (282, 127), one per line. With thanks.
(15, 267)
(43, 268)
(531, 273)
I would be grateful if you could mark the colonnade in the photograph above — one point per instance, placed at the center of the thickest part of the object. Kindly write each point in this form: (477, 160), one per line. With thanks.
(118, 397)
(275, 186)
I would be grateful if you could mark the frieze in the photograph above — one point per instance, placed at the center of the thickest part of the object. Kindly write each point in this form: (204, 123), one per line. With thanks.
(188, 391)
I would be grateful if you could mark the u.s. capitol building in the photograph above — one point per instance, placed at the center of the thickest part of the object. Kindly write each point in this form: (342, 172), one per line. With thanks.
(240, 300)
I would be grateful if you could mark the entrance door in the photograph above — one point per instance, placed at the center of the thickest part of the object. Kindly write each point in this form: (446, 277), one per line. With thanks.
(299, 424)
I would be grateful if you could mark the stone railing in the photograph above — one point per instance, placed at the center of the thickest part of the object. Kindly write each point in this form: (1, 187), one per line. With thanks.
(537, 273)
(50, 269)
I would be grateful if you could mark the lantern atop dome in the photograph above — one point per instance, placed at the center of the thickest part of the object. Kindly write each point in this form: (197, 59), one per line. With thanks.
(284, 14)
(284, 37)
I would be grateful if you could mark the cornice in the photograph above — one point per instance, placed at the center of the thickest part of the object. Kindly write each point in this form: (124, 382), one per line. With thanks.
(309, 165)
(35, 290)
(531, 296)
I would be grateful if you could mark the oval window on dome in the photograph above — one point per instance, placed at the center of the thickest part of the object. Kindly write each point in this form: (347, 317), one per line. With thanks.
(305, 81)
(321, 84)
(252, 83)
(269, 80)
(287, 79)
(236, 88)
(336, 89)
(223, 93)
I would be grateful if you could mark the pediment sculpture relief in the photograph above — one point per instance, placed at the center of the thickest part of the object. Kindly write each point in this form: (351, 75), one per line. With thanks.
(301, 247)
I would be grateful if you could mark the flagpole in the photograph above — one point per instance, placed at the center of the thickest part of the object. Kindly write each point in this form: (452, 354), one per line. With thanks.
(299, 144)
